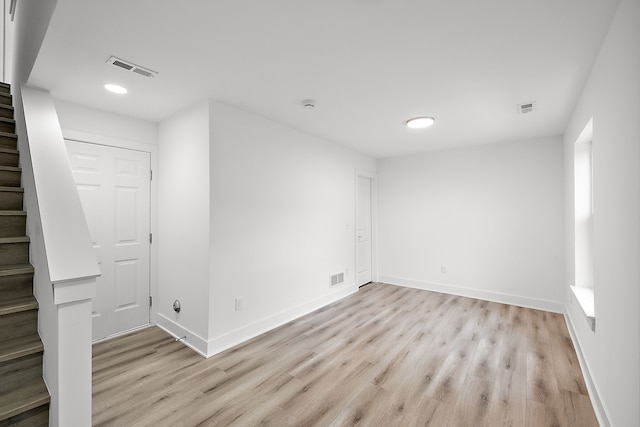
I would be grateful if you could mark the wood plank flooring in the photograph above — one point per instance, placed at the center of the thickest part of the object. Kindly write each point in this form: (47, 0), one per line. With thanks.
(386, 356)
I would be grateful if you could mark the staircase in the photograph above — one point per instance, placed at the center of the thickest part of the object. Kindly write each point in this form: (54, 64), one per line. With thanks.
(24, 399)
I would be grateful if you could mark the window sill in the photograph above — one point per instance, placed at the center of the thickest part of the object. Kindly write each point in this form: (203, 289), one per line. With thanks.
(585, 299)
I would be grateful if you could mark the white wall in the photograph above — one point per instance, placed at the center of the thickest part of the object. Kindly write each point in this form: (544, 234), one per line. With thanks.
(610, 96)
(492, 215)
(31, 24)
(282, 221)
(183, 225)
(90, 121)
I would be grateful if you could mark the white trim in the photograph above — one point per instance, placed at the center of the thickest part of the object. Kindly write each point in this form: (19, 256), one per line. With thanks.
(535, 303)
(193, 340)
(228, 340)
(94, 138)
(592, 388)
(83, 288)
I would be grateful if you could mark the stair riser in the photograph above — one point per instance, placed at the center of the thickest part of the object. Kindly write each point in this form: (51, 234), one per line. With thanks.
(9, 159)
(5, 89)
(9, 127)
(8, 142)
(20, 371)
(10, 178)
(20, 285)
(35, 417)
(6, 99)
(13, 225)
(11, 200)
(6, 113)
(14, 253)
(18, 324)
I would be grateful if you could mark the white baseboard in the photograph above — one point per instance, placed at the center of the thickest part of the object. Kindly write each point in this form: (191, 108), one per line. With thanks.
(228, 340)
(592, 388)
(192, 340)
(527, 302)
(208, 348)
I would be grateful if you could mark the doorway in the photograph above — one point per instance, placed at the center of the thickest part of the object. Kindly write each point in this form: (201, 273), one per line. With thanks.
(364, 235)
(115, 191)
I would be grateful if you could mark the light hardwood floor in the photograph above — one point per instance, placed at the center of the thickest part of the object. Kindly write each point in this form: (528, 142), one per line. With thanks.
(386, 356)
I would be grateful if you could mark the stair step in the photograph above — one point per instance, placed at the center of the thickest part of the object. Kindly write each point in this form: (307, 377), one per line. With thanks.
(20, 370)
(5, 87)
(25, 398)
(14, 270)
(10, 176)
(9, 157)
(7, 125)
(20, 347)
(18, 304)
(14, 250)
(6, 99)
(8, 139)
(13, 223)
(11, 198)
(16, 281)
(18, 324)
(6, 111)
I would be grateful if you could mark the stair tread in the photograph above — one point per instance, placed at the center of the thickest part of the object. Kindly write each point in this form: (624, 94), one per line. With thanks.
(9, 134)
(15, 269)
(12, 189)
(8, 150)
(21, 239)
(29, 396)
(17, 304)
(21, 346)
(13, 213)
(10, 169)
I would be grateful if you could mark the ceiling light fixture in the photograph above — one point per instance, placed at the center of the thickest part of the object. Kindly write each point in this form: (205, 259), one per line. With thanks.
(115, 88)
(420, 122)
(309, 104)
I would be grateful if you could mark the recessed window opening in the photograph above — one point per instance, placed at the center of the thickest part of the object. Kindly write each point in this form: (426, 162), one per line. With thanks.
(583, 221)
(583, 186)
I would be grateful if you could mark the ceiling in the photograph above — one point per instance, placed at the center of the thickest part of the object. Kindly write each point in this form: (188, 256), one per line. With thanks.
(369, 64)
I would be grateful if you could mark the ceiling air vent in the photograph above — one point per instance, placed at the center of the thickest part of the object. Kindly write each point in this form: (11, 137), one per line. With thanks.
(130, 66)
(526, 107)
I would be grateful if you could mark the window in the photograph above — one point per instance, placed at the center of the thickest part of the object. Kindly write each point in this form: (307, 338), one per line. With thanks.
(583, 215)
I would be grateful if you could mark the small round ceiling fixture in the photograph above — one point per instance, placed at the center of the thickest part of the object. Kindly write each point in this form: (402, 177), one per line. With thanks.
(115, 88)
(309, 104)
(420, 122)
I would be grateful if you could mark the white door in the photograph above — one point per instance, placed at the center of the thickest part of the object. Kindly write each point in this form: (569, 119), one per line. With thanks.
(114, 187)
(363, 232)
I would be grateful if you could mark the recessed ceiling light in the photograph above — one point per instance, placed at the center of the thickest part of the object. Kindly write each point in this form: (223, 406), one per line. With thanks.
(115, 88)
(420, 122)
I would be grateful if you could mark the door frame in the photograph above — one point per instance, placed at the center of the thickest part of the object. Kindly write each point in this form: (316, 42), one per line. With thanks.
(89, 138)
(374, 222)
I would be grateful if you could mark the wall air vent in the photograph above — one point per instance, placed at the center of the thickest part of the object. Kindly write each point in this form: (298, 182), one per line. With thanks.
(527, 107)
(336, 279)
(131, 67)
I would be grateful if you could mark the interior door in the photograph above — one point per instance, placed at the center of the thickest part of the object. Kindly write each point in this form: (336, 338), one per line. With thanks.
(114, 187)
(363, 230)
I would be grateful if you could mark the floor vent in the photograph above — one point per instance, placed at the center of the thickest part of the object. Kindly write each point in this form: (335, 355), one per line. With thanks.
(131, 67)
(337, 279)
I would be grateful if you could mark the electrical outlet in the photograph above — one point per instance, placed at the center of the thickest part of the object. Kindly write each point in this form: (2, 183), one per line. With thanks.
(239, 304)
(443, 269)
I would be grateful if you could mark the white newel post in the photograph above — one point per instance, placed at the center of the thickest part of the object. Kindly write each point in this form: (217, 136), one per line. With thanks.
(73, 300)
